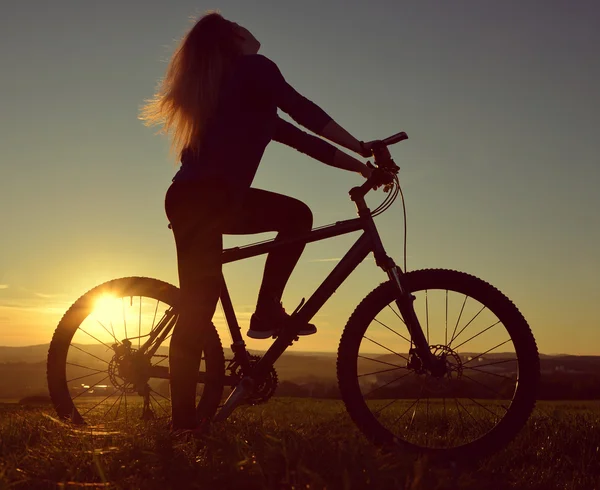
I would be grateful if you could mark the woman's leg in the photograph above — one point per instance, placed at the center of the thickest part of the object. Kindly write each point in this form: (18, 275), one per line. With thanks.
(196, 215)
(262, 211)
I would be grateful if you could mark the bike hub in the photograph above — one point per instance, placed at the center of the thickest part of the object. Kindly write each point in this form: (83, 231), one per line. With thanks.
(446, 370)
(128, 370)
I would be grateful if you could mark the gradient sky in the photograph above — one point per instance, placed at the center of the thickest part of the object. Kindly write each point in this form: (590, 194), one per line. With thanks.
(501, 172)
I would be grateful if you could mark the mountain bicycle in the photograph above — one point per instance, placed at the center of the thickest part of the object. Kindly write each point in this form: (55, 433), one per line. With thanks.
(435, 361)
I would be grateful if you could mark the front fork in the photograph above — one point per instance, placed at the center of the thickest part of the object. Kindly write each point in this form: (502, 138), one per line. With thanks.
(405, 302)
(404, 299)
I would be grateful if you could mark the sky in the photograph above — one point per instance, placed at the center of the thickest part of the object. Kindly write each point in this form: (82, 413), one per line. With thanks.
(500, 173)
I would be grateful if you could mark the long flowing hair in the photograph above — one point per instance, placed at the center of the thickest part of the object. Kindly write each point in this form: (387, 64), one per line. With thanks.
(187, 96)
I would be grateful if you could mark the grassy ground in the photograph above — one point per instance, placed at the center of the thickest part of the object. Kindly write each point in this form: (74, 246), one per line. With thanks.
(287, 444)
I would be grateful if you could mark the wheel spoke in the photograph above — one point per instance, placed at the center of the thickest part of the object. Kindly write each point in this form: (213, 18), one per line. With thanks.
(477, 335)
(489, 372)
(412, 418)
(462, 422)
(445, 414)
(494, 363)
(485, 408)
(398, 315)
(458, 319)
(112, 329)
(89, 354)
(486, 352)
(140, 324)
(468, 413)
(124, 317)
(99, 403)
(112, 334)
(379, 361)
(84, 367)
(497, 393)
(391, 330)
(162, 396)
(377, 412)
(382, 371)
(99, 341)
(469, 323)
(126, 411)
(387, 384)
(386, 348)
(160, 405)
(427, 313)
(114, 403)
(154, 317)
(396, 420)
(446, 322)
(85, 376)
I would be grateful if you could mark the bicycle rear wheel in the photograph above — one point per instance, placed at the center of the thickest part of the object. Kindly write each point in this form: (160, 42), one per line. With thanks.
(492, 367)
(108, 360)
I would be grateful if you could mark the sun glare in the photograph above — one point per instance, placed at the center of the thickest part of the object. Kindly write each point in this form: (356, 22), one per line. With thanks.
(108, 307)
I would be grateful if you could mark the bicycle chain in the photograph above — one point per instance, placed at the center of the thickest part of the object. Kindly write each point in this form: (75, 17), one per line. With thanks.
(263, 390)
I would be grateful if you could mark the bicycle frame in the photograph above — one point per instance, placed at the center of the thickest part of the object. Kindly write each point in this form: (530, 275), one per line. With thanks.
(369, 241)
(304, 313)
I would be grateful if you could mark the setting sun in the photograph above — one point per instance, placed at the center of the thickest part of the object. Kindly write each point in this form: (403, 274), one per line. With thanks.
(108, 307)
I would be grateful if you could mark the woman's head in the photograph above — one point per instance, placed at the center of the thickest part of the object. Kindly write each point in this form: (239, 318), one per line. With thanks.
(188, 94)
(215, 34)
(248, 43)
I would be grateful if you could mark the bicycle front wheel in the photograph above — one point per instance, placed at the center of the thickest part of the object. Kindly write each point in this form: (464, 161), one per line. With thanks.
(108, 361)
(487, 391)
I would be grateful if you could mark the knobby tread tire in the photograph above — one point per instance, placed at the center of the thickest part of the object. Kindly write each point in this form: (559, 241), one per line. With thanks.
(126, 286)
(524, 398)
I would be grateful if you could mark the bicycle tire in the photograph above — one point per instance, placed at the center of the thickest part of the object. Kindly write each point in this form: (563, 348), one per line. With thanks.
(71, 323)
(527, 371)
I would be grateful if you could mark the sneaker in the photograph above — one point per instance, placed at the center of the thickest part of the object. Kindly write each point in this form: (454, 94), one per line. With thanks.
(264, 325)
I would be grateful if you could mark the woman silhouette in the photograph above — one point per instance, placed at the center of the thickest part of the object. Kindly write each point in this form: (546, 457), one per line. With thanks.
(218, 103)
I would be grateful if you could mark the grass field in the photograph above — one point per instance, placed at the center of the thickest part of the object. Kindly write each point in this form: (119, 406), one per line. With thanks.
(287, 444)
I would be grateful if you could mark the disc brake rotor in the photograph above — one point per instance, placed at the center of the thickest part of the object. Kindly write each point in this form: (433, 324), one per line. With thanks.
(438, 385)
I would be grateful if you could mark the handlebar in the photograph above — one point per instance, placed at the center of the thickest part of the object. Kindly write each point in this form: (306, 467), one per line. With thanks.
(381, 155)
(385, 169)
(395, 138)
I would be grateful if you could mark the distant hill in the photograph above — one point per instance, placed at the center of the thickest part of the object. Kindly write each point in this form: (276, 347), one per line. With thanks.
(38, 353)
(23, 371)
(30, 353)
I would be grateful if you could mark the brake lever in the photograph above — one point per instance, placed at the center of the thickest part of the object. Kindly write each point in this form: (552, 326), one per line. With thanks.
(381, 178)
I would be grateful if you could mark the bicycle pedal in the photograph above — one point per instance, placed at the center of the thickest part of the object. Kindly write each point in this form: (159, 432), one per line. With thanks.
(295, 339)
(275, 335)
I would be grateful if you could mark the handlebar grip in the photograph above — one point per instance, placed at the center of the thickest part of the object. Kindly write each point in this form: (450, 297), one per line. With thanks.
(396, 138)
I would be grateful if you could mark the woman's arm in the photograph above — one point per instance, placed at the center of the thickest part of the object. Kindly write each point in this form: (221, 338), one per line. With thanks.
(317, 148)
(334, 132)
(302, 110)
(345, 161)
